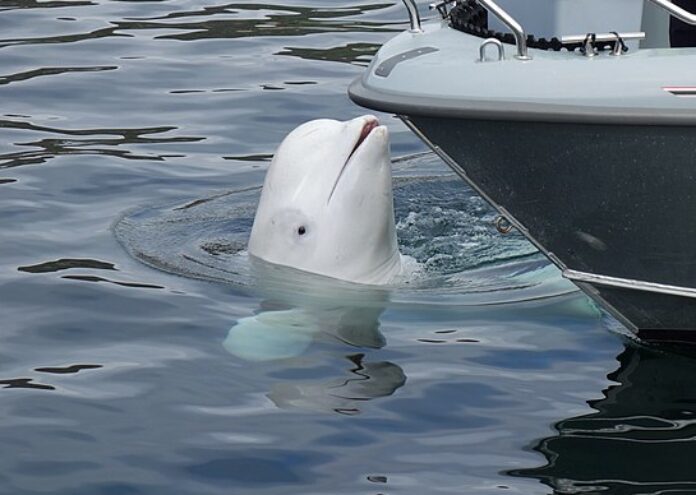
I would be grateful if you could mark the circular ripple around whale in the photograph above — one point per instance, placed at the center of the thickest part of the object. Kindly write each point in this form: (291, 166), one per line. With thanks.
(444, 228)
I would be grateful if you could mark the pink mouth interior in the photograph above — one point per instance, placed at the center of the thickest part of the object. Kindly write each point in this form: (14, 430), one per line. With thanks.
(367, 129)
(369, 126)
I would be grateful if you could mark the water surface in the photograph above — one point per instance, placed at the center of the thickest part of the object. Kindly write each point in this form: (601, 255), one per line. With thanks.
(122, 377)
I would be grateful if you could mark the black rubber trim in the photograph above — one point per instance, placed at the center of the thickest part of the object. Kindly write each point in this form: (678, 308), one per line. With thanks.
(407, 104)
(682, 92)
(386, 67)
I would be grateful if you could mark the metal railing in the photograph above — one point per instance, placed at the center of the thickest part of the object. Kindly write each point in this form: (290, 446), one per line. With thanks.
(588, 40)
(579, 38)
(512, 24)
(413, 16)
(521, 36)
(676, 11)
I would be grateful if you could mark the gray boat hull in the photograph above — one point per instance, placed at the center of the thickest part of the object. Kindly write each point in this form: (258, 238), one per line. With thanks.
(607, 201)
(613, 202)
(593, 159)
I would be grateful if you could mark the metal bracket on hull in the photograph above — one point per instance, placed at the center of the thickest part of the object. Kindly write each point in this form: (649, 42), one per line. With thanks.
(502, 225)
(495, 42)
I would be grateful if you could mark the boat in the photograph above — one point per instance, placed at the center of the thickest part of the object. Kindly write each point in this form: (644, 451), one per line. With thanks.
(581, 135)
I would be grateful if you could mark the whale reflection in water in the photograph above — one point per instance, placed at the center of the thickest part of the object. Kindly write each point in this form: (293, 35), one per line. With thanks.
(342, 395)
(300, 309)
(641, 440)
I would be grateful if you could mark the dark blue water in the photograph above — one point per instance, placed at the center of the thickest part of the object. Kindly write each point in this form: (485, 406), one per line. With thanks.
(128, 374)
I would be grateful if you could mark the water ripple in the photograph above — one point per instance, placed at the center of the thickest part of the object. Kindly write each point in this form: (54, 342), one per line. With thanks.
(50, 148)
(51, 71)
(66, 264)
(40, 4)
(63, 39)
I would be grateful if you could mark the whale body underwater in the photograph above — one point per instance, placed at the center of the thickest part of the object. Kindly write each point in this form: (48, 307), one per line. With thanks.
(327, 205)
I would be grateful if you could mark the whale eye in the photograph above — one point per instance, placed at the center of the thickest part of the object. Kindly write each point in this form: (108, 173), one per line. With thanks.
(302, 230)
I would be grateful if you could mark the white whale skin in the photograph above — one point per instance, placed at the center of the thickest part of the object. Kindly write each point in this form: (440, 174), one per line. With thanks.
(327, 205)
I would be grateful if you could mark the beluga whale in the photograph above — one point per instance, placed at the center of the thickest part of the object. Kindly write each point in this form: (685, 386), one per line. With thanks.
(327, 205)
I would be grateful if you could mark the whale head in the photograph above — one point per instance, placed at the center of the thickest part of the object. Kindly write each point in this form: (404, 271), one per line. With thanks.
(326, 206)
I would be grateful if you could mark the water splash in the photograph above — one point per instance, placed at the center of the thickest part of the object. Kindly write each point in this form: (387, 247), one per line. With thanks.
(453, 253)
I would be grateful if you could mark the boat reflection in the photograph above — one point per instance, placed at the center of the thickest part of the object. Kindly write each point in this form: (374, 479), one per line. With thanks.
(642, 439)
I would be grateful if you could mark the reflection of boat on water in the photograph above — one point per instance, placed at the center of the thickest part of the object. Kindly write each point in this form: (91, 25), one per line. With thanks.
(582, 140)
(640, 440)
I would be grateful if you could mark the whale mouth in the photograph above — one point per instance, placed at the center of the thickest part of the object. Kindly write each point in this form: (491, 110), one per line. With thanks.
(369, 126)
